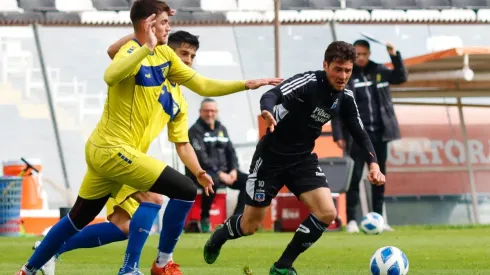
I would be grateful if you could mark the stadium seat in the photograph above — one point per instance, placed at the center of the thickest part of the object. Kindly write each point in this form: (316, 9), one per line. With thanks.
(37, 5)
(435, 4)
(63, 17)
(185, 5)
(219, 5)
(183, 16)
(400, 4)
(364, 4)
(256, 5)
(9, 5)
(21, 18)
(111, 5)
(74, 5)
(471, 4)
(294, 4)
(99, 17)
(208, 16)
(324, 4)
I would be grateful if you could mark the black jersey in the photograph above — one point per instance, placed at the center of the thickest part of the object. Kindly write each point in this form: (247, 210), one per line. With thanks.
(301, 106)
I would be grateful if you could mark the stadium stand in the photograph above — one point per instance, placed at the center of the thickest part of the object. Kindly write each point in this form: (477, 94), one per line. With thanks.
(219, 5)
(400, 4)
(26, 17)
(185, 5)
(63, 18)
(37, 5)
(74, 5)
(435, 4)
(256, 5)
(294, 5)
(111, 5)
(364, 4)
(471, 4)
(9, 6)
(324, 4)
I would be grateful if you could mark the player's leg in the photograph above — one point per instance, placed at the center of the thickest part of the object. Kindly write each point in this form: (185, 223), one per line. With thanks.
(378, 192)
(206, 202)
(120, 208)
(260, 192)
(82, 213)
(182, 191)
(147, 206)
(240, 184)
(312, 189)
(352, 197)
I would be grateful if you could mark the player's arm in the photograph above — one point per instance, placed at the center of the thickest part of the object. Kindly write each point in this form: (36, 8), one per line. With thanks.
(128, 61)
(116, 46)
(351, 119)
(289, 93)
(203, 86)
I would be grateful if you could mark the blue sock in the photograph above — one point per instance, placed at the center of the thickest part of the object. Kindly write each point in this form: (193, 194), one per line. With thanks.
(139, 229)
(173, 224)
(94, 235)
(59, 233)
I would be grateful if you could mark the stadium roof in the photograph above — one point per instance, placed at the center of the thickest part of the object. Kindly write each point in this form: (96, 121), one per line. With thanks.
(456, 72)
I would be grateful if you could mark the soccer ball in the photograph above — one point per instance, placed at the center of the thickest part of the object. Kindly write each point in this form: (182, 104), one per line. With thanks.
(389, 260)
(373, 223)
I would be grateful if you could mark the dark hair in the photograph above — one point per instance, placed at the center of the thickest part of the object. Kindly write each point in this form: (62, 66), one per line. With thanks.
(206, 100)
(176, 39)
(340, 51)
(362, 43)
(143, 9)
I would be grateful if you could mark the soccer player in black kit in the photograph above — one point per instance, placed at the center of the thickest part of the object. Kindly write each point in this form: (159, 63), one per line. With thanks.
(295, 112)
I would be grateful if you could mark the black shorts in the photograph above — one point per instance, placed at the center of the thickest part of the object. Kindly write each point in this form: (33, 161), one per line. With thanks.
(265, 179)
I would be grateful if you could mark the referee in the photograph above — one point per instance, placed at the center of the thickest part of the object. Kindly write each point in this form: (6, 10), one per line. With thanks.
(370, 83)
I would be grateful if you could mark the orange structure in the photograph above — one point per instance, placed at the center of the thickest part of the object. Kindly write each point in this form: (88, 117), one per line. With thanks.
(31, 191)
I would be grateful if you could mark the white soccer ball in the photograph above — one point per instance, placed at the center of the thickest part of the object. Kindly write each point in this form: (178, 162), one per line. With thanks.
(373, 223)
(389, 260)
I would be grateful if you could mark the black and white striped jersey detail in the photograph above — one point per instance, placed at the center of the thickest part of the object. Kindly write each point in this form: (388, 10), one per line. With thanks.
(297, 83)
(351, 94)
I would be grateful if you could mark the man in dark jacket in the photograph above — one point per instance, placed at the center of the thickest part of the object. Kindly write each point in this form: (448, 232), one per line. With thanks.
(217, 157)
(370, 83)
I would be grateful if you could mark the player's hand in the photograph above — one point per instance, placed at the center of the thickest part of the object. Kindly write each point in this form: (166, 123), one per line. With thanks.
(391, 48)
(257, 83)
(151, 39)
(375, 176)
(341, 143)
(224, 177)
(269, 120)
(172, 12)
(233, 175)
(205, 181)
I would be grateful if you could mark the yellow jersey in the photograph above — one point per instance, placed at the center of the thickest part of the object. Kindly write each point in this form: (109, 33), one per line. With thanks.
(174, 114)
(136, 77)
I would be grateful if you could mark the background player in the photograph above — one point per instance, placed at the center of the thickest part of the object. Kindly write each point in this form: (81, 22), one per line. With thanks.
(121, 208)
(301, 106)
(135, 79)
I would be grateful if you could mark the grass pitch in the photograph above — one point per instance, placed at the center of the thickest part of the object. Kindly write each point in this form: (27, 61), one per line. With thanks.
(430, 250)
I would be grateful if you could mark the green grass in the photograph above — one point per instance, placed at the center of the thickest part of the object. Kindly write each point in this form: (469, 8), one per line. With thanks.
(430, 250)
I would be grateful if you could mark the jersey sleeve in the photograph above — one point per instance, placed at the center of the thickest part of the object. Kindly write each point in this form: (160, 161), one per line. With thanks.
(351, 119)
(126, 63)
(178, 71)
(178, 127)
(291, 91)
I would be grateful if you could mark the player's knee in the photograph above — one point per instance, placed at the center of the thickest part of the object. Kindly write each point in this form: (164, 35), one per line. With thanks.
(84, 211)
(250, 225)
(149, 197)
(327, 215)
(189, 189)
(120, 219)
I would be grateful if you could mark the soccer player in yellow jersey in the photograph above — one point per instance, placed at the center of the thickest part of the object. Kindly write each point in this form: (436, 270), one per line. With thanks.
(121, 207)
(135, 79)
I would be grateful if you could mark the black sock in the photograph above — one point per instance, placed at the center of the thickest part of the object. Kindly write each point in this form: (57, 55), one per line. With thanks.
(308, 232)
(231, 230)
